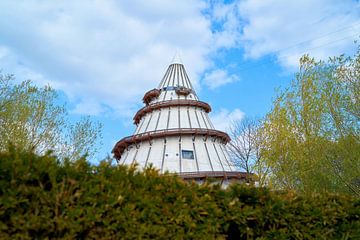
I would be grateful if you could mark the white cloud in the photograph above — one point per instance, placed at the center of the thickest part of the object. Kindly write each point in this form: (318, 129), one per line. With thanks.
(218, 77)
(88, 107)
(108, 51)
(290, 29)
(223, 119)
(226, 21)
(111, 52)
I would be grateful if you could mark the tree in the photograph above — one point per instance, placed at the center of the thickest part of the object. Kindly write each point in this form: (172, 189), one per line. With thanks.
(245, 148)
(311, 136)
(32, 120)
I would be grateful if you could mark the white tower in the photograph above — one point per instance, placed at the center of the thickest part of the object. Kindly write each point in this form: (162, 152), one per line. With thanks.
(174, 133)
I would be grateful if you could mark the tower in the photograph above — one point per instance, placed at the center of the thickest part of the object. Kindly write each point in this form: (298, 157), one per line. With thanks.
(174, 133)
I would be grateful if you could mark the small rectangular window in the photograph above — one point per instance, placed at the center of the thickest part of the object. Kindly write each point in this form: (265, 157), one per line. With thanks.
(187, 154)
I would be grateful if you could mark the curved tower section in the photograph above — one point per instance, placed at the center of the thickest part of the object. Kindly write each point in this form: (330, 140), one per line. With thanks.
(174, 133)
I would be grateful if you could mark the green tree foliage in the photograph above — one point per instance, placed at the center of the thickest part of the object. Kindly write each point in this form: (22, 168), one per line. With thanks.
(312, 134)
(32, 120)
(44, 198)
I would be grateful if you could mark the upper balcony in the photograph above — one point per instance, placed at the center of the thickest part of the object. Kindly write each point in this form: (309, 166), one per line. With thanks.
(150, 95)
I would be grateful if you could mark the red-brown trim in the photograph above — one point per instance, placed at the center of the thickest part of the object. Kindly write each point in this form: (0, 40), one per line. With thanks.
(121, 145)
(154, 93)
(182, 91)
(170, 103)
(215, 174)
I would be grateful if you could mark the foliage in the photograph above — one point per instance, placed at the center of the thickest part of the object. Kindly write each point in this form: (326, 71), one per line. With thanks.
(245, 148)
(32, 120)
(311, 136)
(42, 197)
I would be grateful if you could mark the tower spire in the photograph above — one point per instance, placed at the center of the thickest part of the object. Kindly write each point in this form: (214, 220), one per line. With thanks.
(176, 76)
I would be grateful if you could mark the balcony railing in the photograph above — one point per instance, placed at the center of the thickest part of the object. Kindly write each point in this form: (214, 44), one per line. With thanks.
(170, 103)
(201, 175)
(121, 145)
(154, 93)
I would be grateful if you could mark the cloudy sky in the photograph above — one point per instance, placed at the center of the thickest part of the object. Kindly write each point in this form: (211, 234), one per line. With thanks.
(102, 56)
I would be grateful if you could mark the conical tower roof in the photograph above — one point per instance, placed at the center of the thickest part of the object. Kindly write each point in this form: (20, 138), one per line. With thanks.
(176, 75)
(174, 132)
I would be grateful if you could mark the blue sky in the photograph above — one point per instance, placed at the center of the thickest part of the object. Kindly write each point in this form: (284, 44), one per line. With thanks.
(102, 56)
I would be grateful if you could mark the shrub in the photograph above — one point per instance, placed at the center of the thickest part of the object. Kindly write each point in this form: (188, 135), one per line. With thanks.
(41, 197)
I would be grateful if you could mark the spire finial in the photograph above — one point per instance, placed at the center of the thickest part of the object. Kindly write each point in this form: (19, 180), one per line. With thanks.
(176, 58)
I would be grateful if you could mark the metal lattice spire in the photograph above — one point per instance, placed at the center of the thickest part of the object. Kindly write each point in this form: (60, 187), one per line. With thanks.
(176, 75)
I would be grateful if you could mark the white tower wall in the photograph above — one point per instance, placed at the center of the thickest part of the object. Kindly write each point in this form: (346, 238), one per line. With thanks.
(165, 154)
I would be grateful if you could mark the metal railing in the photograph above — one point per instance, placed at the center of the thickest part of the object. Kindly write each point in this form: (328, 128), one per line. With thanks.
(121, 145)
(170, 103)
(214, 174)
(153, 93)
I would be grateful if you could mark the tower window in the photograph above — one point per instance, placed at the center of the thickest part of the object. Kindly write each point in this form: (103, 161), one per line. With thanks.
(187, 154)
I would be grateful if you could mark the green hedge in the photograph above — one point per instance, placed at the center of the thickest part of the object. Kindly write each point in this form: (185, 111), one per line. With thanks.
(41, 197)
